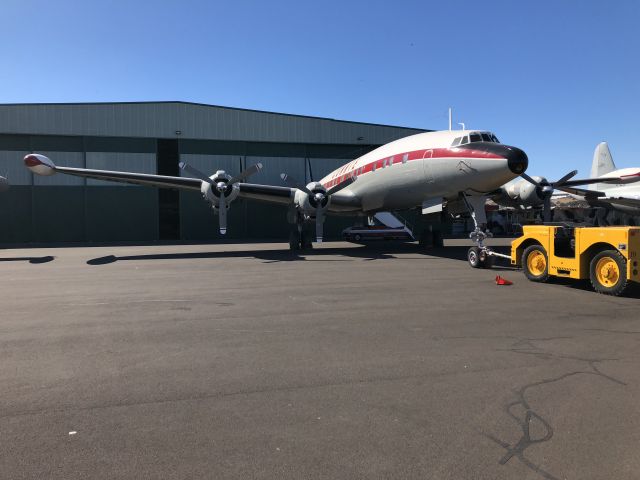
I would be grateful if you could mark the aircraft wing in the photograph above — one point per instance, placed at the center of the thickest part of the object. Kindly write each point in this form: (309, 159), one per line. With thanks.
(583, 192)
(618, 179)
(135, 178)
(42, 165)
(626, 201)
(592, 195)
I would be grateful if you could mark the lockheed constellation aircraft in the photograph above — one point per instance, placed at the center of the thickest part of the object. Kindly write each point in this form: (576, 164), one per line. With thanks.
(420, 170)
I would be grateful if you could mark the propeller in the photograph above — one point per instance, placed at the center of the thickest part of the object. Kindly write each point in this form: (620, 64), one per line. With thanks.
(318, 198)
(545, 190)
(221, 184)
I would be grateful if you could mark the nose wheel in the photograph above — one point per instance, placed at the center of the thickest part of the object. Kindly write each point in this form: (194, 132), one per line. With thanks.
(479, 257)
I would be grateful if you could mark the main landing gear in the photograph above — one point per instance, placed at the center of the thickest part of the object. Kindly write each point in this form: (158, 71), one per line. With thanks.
(479, 256)
(299, 238)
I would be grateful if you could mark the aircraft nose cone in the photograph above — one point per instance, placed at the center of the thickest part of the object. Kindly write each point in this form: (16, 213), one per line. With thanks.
(517, 160)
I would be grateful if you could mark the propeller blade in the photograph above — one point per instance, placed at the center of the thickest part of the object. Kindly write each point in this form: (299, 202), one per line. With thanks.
(247, 172)
(195, 172)
(319, 224)
(340, 186)
(565, 178)
(293, 183)
(529, 179)
(222, 213)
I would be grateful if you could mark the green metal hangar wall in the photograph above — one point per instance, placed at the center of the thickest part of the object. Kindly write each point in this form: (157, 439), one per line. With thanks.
(153, 138)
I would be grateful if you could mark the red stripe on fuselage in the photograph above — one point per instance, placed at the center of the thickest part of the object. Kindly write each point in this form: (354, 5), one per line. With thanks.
(341, 175)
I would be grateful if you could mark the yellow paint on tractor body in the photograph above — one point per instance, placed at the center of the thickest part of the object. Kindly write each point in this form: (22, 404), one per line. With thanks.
(571, 249)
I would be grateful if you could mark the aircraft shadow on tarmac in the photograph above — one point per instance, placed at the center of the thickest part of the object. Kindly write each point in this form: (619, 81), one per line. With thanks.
(377, 251)
(34, 260)
(272, 256)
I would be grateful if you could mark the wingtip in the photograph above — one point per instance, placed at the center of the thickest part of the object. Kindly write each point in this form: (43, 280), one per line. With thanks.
(39, 164)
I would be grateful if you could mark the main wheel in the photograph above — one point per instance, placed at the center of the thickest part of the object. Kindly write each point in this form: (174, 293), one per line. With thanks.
(294, 241)
(535, 263)
(608, 272)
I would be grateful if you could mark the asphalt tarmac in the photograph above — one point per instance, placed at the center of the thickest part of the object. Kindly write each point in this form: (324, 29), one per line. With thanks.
(246, 361)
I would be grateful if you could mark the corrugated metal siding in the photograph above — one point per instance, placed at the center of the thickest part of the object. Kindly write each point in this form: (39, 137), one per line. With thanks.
(162, 120)
(12, 167)
(210, 164)
(68, 159)
(320, 167)
(272, 167)
(122, 162)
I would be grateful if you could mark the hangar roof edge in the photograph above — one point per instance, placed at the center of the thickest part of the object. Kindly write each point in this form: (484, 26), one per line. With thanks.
(213, 106)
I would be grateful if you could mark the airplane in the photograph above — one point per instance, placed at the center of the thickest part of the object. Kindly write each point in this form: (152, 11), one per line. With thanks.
(622, 194)
(536, 192)
(421, 170)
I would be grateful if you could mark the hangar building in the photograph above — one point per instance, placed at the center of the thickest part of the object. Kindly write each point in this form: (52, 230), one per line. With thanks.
(152, 137)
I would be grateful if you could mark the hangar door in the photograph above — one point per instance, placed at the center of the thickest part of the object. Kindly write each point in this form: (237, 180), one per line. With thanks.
(168, 157)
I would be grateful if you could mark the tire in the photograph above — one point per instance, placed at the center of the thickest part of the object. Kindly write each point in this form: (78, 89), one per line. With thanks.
(357, 237)
(294, 241)
(473, 257)
(608, 273)
(535, 263)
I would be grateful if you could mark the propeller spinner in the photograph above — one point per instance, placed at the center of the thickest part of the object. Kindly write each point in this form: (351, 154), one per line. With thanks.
(546, 189)
(221, 187)
(318, 197)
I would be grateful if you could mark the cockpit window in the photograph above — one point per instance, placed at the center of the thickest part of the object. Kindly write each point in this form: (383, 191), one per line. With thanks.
(464, 140)
(486, 137)
(475, 137)
(495, 139)
(456, 142)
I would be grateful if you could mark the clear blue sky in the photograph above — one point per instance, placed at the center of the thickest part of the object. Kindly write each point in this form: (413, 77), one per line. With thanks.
(552, 77)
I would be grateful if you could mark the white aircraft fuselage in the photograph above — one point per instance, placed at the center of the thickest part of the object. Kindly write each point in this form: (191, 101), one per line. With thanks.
(405, 173)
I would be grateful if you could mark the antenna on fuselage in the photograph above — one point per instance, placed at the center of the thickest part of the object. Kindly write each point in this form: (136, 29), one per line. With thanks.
(462, 124)
(449, 118)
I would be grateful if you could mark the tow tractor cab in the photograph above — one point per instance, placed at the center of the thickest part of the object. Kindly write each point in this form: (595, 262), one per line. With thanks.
(607, 256)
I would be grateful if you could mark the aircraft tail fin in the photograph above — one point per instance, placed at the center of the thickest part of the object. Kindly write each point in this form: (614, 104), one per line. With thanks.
(602, 161)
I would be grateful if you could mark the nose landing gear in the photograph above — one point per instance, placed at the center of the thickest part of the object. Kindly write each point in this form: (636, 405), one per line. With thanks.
(479, 256)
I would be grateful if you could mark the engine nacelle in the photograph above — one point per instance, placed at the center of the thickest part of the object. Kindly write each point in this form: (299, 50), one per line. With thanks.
(521, 193)
(39, 164)
(212, 194)
(309, 203)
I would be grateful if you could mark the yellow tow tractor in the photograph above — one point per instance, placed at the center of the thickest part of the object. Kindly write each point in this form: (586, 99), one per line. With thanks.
(607, 256)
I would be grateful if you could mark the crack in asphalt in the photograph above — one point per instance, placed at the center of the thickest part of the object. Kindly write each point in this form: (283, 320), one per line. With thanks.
(517, 450)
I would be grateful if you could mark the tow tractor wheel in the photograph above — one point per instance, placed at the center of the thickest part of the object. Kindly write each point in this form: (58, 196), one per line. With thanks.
(608, 272)
(535, 263)
(478, 258)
